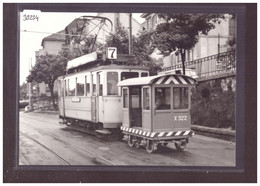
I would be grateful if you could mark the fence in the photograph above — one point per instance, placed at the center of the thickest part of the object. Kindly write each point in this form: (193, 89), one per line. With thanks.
(217, 64)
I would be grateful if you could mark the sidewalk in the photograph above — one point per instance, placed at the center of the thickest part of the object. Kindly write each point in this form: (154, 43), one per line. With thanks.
(225, 134)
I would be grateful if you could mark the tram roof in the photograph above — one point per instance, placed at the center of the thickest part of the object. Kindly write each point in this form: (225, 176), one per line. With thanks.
(177, 79)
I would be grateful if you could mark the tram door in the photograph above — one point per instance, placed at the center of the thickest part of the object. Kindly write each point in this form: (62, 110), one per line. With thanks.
(146, 108)
(125, 117)
(135, 107)
(94, 99)
(61, 97)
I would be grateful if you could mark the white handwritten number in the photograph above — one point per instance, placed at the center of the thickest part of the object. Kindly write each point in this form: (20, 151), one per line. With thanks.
(30, 17)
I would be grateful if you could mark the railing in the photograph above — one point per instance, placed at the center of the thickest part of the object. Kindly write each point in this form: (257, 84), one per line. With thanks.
(217, 64)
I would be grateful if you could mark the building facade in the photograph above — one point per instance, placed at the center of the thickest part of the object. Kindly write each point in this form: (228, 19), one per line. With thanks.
(52, 44)
(207, 45)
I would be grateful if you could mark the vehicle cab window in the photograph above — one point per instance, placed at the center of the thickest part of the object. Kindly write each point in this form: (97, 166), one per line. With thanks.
(180, 98)
(112, 80)
(162, 98)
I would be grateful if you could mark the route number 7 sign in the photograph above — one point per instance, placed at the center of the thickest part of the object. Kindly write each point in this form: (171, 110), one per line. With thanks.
(112, 53)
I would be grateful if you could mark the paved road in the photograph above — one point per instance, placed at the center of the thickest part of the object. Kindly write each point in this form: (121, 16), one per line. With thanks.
(43, 141)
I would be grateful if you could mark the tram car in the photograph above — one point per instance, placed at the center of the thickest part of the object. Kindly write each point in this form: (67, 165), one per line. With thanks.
(156, 111)
(88, 96)
(106, 97)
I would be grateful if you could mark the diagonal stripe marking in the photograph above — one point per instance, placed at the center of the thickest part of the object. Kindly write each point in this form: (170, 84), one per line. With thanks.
(182, 80)
(169, 134)
(161, 134)
(160, 80)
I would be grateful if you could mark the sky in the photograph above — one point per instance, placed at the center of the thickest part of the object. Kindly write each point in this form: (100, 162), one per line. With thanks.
(33, 31)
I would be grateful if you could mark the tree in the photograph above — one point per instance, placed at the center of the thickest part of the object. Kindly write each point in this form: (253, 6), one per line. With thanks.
(23, 91)
(180, 31)
(119, 39)
(84, 45)
(142, 47)
(48, 68)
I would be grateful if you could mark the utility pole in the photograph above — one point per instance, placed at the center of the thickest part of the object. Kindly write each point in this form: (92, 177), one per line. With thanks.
(30, 87)
(130, 35)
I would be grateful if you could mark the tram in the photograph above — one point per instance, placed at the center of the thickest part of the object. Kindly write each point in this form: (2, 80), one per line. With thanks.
(156, 111)
(105, 97)
(89, 99)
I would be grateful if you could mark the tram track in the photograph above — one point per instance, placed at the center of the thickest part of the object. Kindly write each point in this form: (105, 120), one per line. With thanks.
(62, 160)
(97, 159)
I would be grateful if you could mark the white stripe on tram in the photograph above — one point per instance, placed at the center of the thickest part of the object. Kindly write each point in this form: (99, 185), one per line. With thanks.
(190, 80)
(186, 133)
(161, 134)
(169, 134)
(178, 133)
(175, 81)
(182, 80)
(160, 80)
(169, 80)
(152, 135)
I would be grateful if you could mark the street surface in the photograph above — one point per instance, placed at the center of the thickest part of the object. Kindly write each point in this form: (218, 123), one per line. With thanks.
(43, 141)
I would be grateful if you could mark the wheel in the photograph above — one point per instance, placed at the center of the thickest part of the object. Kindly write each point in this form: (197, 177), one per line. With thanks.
(164, 144)
(131, 141)
(151, 146)
(181, 146)
(137, 144)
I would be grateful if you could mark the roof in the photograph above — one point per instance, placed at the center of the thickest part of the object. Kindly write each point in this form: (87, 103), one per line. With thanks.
(87, 58)
(176, 79)
(59, 36)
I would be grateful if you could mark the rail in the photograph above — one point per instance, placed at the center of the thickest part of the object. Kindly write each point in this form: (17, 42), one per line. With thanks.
(214, 65)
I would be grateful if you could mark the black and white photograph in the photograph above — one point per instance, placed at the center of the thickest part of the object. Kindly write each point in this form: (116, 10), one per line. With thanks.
(120, 89)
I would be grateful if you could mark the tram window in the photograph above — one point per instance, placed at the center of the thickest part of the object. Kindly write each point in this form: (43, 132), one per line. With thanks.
(100, 84)
(134, 97)
(180, 98)
(80, 86)
(72, 87)
(94, 87)
(163, 98)
(127, 75)
(112, 80)
(144, 74)
(146, 99)
(87, 85)
(125, 98)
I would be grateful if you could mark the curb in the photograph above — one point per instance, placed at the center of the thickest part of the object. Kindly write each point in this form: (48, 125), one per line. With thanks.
(225, 134)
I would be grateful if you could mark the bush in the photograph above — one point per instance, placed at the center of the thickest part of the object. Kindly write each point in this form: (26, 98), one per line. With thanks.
(213, 107)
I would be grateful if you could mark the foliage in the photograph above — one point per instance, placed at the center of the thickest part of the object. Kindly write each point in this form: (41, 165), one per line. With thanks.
(180, 31)
(84, 45)
(23, 91)
(142, 47)
(231, 44)
(48, 68)
(119, 39)
(213, 107)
